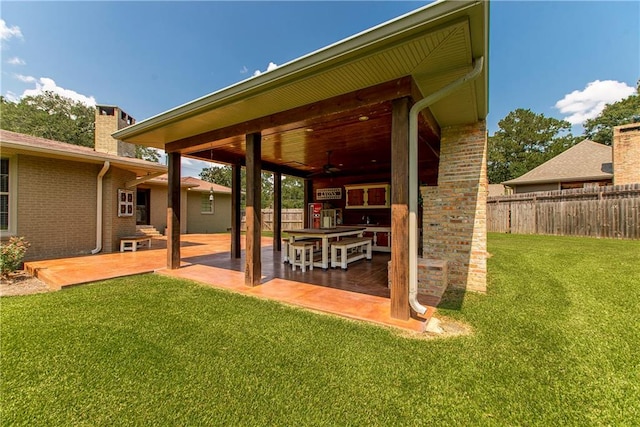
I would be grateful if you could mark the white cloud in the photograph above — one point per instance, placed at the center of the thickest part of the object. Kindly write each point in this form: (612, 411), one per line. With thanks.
(25, 79)
(244, 70)
(16, 61)
(579, 106)
(45, 84)
(270, 67)
(7, 33)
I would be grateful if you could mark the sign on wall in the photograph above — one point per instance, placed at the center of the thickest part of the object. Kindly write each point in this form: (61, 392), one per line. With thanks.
(329, 193)
(125, 203)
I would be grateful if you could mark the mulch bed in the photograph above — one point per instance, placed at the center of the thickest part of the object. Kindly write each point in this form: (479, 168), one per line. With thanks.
(21, 283)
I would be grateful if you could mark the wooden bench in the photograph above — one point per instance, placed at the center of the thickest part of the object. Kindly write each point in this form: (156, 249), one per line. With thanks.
(301, 254)
(350, 250)
(285, 246)
(130, 243)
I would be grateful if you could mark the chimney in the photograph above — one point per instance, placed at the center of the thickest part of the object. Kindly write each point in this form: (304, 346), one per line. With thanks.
(108, 120)
(626, 154)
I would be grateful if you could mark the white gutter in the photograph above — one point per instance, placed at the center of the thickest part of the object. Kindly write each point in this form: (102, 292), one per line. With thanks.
(413, 177)
(98, 248)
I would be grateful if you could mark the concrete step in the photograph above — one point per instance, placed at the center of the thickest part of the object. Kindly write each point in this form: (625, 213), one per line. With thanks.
(148, 230)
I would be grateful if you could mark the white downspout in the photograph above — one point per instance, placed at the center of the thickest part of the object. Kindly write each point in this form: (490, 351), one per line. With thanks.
(413, 177)
(98, 248)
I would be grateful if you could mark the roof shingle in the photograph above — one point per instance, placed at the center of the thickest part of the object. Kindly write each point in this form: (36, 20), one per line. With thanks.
(586, 160)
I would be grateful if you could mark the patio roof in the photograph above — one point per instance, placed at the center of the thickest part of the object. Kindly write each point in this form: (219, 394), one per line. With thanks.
(337, 96)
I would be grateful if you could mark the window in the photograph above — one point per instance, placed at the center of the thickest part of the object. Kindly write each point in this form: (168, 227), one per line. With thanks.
(4, 194)
(206, 204)
(125, 203)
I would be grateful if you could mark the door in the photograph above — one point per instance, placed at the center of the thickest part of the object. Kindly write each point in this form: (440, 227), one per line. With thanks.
(143, 211)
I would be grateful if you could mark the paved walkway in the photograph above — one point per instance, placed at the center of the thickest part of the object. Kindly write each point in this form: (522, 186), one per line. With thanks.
(205, 259)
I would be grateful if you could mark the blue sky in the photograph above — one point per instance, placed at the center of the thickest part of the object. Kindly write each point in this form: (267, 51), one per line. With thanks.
(562, 59)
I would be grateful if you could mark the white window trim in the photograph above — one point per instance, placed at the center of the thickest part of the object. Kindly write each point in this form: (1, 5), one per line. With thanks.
(13, 197)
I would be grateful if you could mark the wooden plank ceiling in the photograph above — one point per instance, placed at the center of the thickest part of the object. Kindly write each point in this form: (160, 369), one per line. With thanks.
(355, 128)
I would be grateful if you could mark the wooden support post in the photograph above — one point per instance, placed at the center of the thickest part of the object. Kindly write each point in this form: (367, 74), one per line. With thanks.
(253, 267)
(277, 211)
(236, 192)
(173, 212)
(400, 210)
(308, 198)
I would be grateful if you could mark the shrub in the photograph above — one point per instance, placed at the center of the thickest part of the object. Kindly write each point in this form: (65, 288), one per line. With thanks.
(12, 254)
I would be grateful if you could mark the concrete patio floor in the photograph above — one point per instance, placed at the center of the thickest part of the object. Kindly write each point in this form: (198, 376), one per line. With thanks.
(205, 259)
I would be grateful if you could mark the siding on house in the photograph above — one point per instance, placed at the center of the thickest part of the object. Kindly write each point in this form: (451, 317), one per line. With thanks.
(158, 207)
(529, 188)
(217, 222)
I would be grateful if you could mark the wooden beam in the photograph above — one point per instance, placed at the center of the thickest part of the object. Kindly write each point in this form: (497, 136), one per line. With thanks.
(308, 198)
(236, 192)
(277, 212)
(379, 93)
(253, 266)
(173, 212)
(400, 210)
(223, 157)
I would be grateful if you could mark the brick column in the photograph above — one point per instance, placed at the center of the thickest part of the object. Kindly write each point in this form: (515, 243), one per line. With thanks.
(454, 220)
(626, 154)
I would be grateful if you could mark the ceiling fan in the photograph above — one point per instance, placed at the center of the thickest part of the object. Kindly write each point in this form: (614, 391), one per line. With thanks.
(328, 168)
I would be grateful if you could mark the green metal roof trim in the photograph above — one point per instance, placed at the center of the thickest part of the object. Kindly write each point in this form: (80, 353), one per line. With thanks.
(435, 44)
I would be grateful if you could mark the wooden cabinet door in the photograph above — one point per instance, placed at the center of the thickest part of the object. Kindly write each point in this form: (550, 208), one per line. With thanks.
(383, 239)
(377, 196)
(355, 197)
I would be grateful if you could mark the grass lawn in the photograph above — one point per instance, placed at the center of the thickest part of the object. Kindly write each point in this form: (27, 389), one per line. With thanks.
(556, 342)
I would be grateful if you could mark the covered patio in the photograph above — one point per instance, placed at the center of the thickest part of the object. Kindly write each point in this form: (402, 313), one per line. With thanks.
(402, 104)
(356, 294)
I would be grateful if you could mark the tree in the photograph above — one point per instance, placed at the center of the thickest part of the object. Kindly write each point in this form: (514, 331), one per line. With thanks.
(50, 116)
(147, 153)
(292, 188)
(600, 129)
(292, 192)
(524, 141)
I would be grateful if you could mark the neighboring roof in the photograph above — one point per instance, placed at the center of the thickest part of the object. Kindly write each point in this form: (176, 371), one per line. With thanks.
(193, 184)
(200, 185)
(435, 45)
(17, 142)
(586, 160)
(497, 190)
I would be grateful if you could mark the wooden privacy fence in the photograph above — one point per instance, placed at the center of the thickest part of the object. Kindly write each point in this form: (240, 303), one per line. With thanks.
(612, 211)
(291, 219)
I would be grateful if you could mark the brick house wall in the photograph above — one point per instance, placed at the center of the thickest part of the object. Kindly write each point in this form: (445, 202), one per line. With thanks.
(56, 206)
(113, 226)
(626, 154)
(454, 211)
